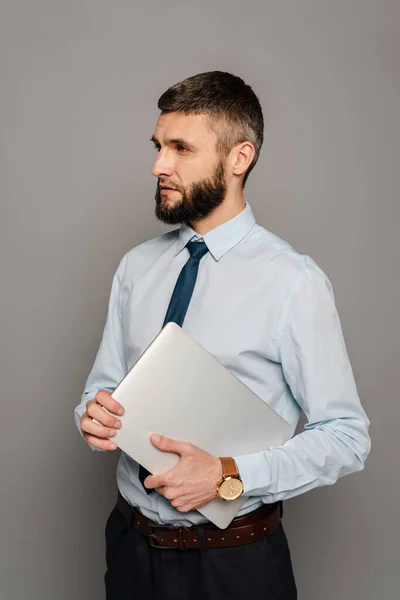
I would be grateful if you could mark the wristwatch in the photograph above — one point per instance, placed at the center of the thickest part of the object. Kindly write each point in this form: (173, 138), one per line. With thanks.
(230, 487)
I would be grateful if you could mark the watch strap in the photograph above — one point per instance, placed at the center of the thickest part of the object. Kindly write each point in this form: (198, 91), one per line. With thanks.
(229, 467)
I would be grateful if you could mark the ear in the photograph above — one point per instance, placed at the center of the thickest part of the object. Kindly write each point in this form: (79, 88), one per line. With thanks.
(242, 157)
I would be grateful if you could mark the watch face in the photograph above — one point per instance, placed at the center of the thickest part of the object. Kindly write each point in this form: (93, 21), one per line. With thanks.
(231, 488)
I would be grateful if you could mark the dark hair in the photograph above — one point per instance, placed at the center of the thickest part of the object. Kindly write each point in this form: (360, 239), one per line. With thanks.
(233, 109)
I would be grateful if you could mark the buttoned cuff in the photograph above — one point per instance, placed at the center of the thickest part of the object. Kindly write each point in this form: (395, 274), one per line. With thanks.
(253, 473)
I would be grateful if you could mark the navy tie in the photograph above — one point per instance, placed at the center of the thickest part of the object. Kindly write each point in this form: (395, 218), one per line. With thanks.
(179, 302)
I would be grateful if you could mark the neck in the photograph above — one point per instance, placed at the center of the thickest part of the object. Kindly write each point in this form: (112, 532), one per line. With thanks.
(230, 208)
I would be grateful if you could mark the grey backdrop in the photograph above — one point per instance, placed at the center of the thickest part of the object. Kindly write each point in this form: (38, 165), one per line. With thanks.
(79, 84)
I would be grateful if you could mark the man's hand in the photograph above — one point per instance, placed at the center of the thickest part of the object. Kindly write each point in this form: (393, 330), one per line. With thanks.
(192, 482)
(95, 434)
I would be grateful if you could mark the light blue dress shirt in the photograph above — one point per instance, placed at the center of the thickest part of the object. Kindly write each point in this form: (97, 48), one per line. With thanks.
(268, 314)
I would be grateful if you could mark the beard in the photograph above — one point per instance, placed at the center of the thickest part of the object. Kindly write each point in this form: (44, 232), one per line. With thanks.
(198, 200)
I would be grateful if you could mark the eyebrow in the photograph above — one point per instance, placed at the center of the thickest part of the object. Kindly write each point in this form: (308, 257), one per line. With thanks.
(174, 141)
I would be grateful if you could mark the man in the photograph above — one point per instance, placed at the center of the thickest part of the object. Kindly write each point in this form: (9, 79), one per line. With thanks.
(265, 312)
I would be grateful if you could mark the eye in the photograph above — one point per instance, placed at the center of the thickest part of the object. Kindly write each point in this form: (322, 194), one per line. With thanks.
(158, 148)
(181, 148)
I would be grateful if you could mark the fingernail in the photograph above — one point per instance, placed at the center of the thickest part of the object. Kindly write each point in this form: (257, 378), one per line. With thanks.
(117, 424)
(156, 437)
(113, 446)
(112, 432)
(121, 411)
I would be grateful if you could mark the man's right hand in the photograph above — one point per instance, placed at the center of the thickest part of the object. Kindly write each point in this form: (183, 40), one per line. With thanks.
(95, 434)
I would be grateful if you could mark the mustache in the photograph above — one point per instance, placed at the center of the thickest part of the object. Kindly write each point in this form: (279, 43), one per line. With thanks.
(168, 185)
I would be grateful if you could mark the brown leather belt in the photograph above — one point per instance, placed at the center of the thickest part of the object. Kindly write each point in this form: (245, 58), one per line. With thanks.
(243, 530)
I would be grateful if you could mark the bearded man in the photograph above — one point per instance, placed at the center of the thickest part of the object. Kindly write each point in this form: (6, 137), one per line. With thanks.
(264, 311)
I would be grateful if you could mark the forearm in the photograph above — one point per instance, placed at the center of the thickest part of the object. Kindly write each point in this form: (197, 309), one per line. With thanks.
(316, 457)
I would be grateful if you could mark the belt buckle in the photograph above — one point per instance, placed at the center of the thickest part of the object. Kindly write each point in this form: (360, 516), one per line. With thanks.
(153, 541)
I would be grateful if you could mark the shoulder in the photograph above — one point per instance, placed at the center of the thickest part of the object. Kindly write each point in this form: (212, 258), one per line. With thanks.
(290, 265)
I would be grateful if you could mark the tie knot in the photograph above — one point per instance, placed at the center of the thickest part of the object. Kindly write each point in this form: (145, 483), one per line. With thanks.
(197, 249)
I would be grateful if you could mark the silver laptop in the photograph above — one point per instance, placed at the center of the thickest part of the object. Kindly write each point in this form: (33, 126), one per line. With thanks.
(178, 389)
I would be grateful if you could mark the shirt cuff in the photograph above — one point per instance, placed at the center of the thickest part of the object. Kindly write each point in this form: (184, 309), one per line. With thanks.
(253, 473)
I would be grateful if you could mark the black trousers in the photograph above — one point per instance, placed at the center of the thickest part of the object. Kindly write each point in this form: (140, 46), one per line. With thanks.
(136, 571)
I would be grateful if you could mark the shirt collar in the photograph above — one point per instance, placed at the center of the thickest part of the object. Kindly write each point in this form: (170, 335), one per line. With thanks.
(222, 238)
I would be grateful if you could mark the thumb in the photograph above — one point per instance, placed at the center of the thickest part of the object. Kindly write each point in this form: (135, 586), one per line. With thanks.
(167, 444)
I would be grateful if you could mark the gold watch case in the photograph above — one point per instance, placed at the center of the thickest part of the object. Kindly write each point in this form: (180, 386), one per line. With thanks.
(230, 488)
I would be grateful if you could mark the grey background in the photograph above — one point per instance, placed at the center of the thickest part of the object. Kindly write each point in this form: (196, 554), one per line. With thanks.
(79, 84)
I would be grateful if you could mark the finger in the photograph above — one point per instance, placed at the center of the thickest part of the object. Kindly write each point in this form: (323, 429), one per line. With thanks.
(185, 508)
(181, 501)
(191, 504)
(104, 398)
(154, 481)
(95, 411)
(100, 443)
(192, 501)
(169, 445)
(100, 431)
(159, 479)
(170, 494)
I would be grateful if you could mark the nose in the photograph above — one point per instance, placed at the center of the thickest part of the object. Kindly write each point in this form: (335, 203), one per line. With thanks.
(163, 165)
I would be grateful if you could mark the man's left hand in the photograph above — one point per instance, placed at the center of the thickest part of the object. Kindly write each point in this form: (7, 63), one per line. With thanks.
(192, 482)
